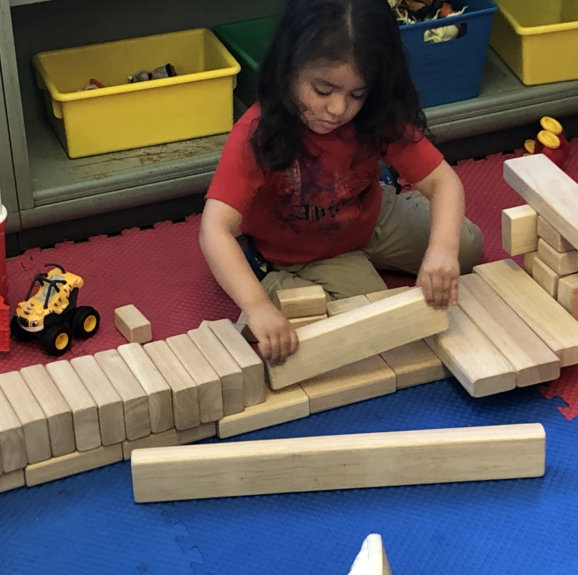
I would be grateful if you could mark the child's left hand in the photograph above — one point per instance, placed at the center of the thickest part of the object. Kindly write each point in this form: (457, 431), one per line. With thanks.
(438, 277)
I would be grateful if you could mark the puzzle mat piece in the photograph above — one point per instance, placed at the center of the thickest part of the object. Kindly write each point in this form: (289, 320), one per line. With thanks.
(566, 388)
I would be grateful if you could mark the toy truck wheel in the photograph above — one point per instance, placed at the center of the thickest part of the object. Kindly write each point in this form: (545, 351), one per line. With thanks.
(85, 322)
(56, 339)
(18, 332)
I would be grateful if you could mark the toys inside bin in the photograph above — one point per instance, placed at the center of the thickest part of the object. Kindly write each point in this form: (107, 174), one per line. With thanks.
(550, 141)
(166, 71)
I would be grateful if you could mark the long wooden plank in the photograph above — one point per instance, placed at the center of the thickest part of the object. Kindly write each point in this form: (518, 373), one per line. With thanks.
(549, 320)
(246, 357)
(372, 558)
(471, 357)
(548, 189)
(108, 401)
(339, 462)
(12, 445)
(357, 334)
(30, 414)
(57, 411)
(532, 359)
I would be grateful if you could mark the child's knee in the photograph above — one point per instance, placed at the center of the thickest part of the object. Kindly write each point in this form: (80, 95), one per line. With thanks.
(471, 247)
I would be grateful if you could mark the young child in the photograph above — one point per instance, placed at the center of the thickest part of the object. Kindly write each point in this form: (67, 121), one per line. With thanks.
(299, 174)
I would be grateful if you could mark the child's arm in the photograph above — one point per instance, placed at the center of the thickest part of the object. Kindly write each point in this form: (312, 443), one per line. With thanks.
(219, 227)
(439, 272)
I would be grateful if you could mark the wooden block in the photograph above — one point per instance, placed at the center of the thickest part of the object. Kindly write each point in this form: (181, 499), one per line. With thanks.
(519, 230)
(279, 407)
(529, 262)
(414, 364)
(551, 236)
(184, 389)
(83, 407)
(563, 263)
(207, 380)
(108, 401)
(357, 334)
(548, 189)
(30, 414)
(371, 559)
(471, 357)
(338, 306)
(385, 293)
(246, 357)
(532, 359)
(12, 445)
(170, 437)
(364, 379)
(71, 464)
(226, 368)
(12, 480)
(301, 321)
(132, 324)
(545, 277)
(339, 462)
(57, 411)
(134, 398)
(568, 294)
(243, 328)
(302, 301)
(545, 316)
(159, 393)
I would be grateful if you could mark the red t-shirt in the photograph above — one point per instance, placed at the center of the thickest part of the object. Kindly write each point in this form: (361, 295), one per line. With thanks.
(325, 204)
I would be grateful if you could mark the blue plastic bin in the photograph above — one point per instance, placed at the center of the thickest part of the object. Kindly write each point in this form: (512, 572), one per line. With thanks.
(444, 72)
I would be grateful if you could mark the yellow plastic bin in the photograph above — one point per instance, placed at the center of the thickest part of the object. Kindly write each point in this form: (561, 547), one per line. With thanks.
(197, 102)
(538, 39)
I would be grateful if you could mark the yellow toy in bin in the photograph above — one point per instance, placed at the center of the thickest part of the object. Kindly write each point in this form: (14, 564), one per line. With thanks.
(197, 102)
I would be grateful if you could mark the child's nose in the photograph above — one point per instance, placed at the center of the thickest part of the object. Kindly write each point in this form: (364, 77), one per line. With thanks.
(337, 105)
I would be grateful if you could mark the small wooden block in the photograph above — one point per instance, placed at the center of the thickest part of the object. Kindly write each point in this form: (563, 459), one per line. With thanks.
(170, 437)
(471, 357)
(207, 380)
(371, 559)
(568, 294)
(357, 334)
(12, 480)
(548, 189)
(302, 301)
(72, 463)
(134, 398)
(348, 461)
(338, 306)
(548, 233)
(414, 364)
(545, 277)
(83, 406)
(279, 407)
(30, 414)
(57, 411)
(185, 390)
(154, 384)
(132, 324)
(108, 401)
(519, 230)
(532, 359)
(529, 262)
(12, 444)
(365, 379)
(226, 368)
(545, 316)
(246, 357)
(563, 263)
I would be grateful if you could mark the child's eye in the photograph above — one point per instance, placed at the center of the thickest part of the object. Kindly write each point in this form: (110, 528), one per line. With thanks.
(322, 92)
(361, 96)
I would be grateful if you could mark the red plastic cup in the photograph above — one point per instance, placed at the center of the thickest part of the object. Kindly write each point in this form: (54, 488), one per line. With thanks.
(549, 144)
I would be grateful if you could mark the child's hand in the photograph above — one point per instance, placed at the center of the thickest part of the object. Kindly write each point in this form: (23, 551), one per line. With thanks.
(276, 336)
(438, 277)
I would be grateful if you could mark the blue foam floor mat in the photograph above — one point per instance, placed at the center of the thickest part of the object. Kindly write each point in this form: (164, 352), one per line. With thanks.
(89, 523)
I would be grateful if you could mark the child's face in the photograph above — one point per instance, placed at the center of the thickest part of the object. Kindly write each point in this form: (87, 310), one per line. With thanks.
(329, 94)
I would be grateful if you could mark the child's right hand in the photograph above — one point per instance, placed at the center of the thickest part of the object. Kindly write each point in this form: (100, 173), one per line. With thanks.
(276, 336)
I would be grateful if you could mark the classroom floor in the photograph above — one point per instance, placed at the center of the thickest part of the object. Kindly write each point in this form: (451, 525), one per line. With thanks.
(89, 523)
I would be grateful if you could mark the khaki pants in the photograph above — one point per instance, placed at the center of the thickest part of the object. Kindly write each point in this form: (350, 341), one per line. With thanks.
(398, 243)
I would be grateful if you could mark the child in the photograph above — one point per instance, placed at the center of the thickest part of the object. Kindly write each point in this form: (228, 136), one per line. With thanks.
(299, 174)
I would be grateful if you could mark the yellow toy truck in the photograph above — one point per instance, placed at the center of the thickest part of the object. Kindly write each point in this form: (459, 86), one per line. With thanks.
(51, 314)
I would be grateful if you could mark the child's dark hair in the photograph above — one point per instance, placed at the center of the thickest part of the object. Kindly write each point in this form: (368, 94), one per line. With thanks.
(362, 31)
